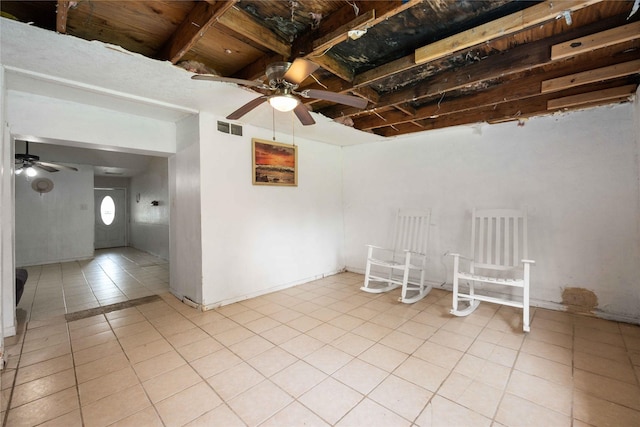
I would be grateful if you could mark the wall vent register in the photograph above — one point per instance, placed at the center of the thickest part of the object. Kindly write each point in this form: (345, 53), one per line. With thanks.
(225, 127)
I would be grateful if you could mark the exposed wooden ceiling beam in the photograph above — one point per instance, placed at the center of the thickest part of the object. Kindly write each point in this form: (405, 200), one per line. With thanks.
(390, 68)
(590, 76)
(522, 58)
(62, 8)
(400, 65)
(332, 65)
(407, 110)
(242, 23)
(334, 29)
(617, 93)
(522, 85)
(367, 93)
(519, 59)
(513, 110)
(500, 27)
(195, 25)
(509, 111)
(342, 34)
(521, 89)
(346, 15)
(596, 41)
(256, 70)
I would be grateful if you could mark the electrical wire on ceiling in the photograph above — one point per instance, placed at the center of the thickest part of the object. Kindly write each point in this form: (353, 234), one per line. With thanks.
(355, 7)
(318, 81)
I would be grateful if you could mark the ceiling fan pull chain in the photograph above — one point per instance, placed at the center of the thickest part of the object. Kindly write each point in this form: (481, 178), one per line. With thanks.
(273, 112)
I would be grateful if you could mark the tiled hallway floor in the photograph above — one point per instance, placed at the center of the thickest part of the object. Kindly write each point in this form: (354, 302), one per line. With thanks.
(323, 353)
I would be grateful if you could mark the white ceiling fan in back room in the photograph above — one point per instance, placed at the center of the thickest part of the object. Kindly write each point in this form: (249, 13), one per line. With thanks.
(283, 80)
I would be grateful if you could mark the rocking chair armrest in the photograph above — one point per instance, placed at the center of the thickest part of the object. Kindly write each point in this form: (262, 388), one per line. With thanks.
(413, 252)
(375, 247)
(372, 249)
(379, 247)
(458, 255)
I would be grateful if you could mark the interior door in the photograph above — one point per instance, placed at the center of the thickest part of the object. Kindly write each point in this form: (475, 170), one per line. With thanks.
(110, 218)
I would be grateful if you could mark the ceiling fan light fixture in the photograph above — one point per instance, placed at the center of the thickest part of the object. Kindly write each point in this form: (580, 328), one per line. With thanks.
(31, 172)
(284, 103)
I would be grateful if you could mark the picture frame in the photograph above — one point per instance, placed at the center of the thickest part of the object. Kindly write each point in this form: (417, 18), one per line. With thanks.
(274, 163)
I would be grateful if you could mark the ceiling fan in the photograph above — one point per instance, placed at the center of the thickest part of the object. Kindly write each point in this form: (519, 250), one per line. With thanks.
(28, 162)
(283, 79)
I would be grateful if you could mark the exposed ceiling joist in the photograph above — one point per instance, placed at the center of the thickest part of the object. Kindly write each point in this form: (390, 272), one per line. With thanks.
(506, 25)
(591, 76)
(195, 25)
(243, 24)
(604, 95)
(525, 58)
(596, 41)
(342, 34)
(372, 76)
(372, 13)
(522, 85)
(61, 16)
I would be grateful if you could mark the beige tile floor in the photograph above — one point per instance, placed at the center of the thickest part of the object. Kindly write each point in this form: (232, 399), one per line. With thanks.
(323, 353)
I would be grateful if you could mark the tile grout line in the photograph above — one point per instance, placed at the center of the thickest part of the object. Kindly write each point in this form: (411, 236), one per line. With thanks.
(22, 342)
(511, 370)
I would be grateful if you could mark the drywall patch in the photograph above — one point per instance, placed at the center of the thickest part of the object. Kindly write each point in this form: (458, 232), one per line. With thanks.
(579, 300)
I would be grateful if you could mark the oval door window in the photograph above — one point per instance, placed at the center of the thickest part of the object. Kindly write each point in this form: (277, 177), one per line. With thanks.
(107, 210)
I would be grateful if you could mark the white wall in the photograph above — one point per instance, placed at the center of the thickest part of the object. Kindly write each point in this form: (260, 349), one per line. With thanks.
(185, 213)
(576, 173)
(111, 182)
(636, 109)
(149, 225)
(260, 238)
(43, 116)
(57, 226)
(7, 272)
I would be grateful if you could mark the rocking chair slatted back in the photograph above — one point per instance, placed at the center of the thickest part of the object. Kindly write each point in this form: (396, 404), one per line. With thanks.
(499, 238)
(412, 231)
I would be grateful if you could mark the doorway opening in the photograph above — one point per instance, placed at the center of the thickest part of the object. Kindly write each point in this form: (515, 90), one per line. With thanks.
(110, 218)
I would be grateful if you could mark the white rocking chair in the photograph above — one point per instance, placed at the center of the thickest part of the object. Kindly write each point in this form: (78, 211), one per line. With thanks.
(409, 253)
(499, 251)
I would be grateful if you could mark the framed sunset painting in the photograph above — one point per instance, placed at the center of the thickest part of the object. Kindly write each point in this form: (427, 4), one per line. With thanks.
(274, 163)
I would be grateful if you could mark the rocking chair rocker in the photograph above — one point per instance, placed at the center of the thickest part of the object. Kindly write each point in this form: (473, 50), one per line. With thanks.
(408, 253)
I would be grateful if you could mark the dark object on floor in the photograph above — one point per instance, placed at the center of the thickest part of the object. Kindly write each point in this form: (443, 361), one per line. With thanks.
(21, 279)
(70, 317)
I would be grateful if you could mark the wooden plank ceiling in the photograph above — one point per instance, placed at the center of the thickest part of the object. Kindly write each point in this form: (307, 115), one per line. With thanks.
(420, 64)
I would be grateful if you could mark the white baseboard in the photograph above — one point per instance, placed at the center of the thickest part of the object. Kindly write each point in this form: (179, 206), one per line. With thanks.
(9, 331)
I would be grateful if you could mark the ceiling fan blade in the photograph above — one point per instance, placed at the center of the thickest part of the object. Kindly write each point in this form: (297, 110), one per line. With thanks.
(299, 71)
(211, 77)
(45, 167)
(56, 167)
(303, 114)
(246, 108)
(339, 98)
